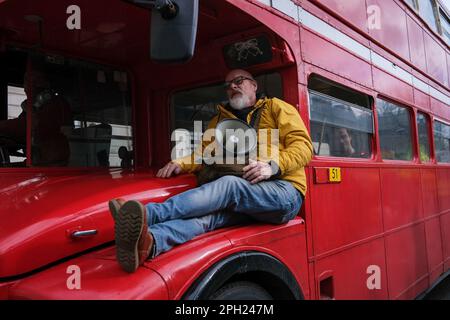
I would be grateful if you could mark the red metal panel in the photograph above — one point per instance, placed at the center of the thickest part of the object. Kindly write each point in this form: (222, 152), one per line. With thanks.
(440, 109)
(436, 60)
(429, 192)
(43, 215)
(392, 28)
(406, 258)
(337, 23)
(321, 175)
(100, 278)
(416, 45)
(279, 241)
(326, 55)
(389, 85)
(443, 187)
(349, 271)
(354, 11)
(338, 216)
(448, 65)
(182, 265)
(434, 248)
(401, 197)
(421, 100)
(445, 229)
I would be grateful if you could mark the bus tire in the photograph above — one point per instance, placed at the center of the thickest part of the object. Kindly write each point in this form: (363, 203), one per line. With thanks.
(241, 290)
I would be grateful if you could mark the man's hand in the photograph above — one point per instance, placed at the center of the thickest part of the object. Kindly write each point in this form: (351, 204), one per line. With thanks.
(168, 170)
(257, 171)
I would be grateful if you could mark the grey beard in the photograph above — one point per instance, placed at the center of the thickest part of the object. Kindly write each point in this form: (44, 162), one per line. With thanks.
(240, 102)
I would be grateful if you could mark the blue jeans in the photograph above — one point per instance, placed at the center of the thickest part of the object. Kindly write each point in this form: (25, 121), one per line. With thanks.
(226, 201)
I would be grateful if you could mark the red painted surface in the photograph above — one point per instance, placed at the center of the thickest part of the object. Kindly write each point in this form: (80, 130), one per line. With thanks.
(434, 248)
(421, 100)
(436, 60)
(448, 64)
(349, 270)
(429, 192)
(48, 207)
(440, 109)
(337, 223)
(101, 278)
(401, 196)
(406, 260)
(392, 27)
(443, 188)
(397, 22)
(391, 86)
(445, 230)
(416, 44)
(353, 11)
(329, 56)
(394, 215)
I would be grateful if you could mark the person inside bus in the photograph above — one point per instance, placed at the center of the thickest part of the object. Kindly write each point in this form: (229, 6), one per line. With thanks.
(267, 191)
(346, 145)
(343, 146)
(50, 113)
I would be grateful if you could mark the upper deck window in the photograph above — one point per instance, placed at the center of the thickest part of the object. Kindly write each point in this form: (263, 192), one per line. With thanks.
(413, 4)
(445, 26)
(394, 128)
(427, 10)
(341, 120)
(442, 141)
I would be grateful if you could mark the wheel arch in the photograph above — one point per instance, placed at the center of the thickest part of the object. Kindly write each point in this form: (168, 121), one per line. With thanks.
(257, 267)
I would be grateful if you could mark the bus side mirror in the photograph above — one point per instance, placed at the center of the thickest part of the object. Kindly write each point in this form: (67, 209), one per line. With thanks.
(173, 38)
(173, 28)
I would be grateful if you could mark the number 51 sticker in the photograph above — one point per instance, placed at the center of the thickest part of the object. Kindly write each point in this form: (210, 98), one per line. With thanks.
(334, 174)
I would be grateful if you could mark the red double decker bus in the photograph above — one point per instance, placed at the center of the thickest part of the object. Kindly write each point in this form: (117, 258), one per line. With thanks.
(369, 78)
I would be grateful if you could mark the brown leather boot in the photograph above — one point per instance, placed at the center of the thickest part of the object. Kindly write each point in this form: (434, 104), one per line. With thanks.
(114, 206)
(133, 241)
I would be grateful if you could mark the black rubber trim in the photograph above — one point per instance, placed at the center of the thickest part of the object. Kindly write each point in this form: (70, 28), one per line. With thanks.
(240, 263)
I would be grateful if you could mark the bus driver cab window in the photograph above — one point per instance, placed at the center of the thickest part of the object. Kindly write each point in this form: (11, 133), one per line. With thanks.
(63, 113)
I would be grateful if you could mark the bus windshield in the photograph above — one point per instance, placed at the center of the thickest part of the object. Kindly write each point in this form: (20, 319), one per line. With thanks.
(80, 113)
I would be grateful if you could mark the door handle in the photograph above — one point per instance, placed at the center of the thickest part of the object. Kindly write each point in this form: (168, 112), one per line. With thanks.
(83, 233)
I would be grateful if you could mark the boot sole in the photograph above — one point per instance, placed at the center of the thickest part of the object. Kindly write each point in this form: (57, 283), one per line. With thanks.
(128, 227)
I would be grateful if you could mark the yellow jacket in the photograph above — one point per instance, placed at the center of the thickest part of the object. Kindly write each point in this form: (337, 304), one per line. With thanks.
(295, 146)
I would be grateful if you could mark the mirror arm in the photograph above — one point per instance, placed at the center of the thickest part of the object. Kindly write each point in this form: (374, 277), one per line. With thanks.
(167, 8)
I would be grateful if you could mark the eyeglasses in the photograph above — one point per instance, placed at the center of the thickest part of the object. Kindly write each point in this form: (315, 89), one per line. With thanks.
(237, 81)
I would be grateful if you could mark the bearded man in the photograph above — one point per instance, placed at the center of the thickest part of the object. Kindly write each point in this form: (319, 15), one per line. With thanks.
(270, 191)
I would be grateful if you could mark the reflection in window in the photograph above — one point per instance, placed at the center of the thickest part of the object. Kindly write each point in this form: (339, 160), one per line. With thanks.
(394, 130)
(427, 12)
(200, 104)
(442, 141)
(424, 139)
(84, 117)
(413, 4)
(445, 24)
(16, 98)
(79, 113)
(339, 128)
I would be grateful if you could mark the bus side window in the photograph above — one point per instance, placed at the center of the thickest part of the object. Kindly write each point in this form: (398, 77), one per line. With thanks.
(394, 128)
(442, 141)
(424, 137)
(341, 121)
